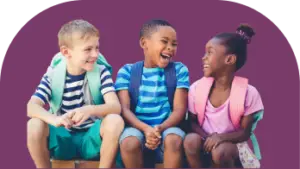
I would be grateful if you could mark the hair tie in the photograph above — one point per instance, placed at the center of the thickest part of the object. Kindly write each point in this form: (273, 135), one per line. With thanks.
(244, 36)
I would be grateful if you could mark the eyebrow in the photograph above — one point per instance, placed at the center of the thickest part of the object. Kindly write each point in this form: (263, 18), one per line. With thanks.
(91, 46)
(209, 47)
(168, 39)
(86, 47)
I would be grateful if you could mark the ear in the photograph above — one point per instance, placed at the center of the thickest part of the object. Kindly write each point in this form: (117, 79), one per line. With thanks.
(143, 43)
(65, 51)
(230, 59)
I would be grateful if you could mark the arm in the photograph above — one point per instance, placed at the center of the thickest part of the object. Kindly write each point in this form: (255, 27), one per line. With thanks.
(195, 126)
(128, 114)
(122, 86)
(243, 134)
(35, 109)
(111, 106)
(180, 97)
(253, 105)
(41, 97)
(179, 109)
(152, 138)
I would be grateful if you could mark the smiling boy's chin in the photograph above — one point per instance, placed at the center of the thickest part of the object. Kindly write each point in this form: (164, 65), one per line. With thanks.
(89, 68)
(162, 65)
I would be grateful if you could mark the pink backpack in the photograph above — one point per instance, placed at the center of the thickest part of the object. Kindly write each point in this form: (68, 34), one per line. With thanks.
(237, 98)
(236, 104)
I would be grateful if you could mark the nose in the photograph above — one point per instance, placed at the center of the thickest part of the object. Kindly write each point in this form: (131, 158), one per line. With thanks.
(204, 57)
(95, 53)
(170, 47)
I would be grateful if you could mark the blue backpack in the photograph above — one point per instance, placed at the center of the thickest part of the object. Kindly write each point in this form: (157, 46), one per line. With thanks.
(170, 81)
(136, 78)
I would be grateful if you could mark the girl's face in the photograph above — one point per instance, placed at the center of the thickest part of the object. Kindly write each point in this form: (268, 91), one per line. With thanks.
(215, 58)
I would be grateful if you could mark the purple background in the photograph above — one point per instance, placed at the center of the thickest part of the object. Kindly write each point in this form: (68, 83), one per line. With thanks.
(271, 65)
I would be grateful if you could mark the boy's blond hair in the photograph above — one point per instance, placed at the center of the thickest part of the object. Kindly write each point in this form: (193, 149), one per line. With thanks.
(84, 28)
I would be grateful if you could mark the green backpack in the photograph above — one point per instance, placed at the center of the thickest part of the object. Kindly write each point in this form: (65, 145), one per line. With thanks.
(59, 66)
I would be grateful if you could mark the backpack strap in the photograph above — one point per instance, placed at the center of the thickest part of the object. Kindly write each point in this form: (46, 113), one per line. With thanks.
(136, 78)
(237, 109)
(94, 82)
(135, 82)
(257, 117)
(59, 66)
(203, 87)
(171, 82)
(57, 81)
(237, 99)
(102, 61)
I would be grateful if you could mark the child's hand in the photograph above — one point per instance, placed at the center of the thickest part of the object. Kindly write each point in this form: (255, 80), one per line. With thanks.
(212, 142)
(153, 138)
(158, 130)
(81, 115)
(64, 120)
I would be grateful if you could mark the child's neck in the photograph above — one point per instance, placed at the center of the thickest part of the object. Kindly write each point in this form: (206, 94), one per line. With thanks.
(74, 71)
(223, 82)
(148, 63)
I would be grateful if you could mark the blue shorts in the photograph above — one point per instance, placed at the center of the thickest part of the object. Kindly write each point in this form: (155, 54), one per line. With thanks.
(130, 131)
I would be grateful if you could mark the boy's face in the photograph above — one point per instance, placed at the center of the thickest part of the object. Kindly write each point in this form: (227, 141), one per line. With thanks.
(215, 58)
(160, 47)
(83, 54)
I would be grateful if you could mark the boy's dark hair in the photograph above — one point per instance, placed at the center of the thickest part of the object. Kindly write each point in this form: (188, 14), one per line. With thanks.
(149, 27)
(236, 43)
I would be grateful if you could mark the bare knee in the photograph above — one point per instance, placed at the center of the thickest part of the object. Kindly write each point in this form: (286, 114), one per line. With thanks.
(192, 143)
(173, 143)
(130, 145)
(224, 153)
(36, 131)
(114, 124)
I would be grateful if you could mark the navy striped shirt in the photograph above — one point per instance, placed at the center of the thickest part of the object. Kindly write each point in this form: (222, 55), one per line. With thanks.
(73, 91)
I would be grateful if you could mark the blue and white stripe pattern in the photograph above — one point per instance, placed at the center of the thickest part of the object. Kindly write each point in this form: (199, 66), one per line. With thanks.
(153, 106)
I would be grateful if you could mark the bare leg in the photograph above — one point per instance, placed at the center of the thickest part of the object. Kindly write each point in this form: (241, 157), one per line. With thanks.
(37, 134)
(173, 151)
(110, 131)
(192, 147)
(131, 152)
(225, 155)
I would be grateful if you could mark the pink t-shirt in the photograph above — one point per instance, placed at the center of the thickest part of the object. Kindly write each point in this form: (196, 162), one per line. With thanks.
(217, 119)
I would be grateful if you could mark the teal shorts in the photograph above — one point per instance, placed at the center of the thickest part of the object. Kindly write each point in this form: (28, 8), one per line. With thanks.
(66, 145)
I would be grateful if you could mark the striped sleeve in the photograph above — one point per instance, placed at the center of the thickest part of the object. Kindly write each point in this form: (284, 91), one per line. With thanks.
(107, 84)
(43, 90)
(123, 78)
(182, 74)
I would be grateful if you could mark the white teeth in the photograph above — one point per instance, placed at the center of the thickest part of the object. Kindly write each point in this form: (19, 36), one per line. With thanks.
(205, 66)
(166, 57)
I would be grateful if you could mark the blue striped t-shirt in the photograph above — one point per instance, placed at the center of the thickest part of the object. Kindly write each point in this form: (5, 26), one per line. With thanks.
(153, 107)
